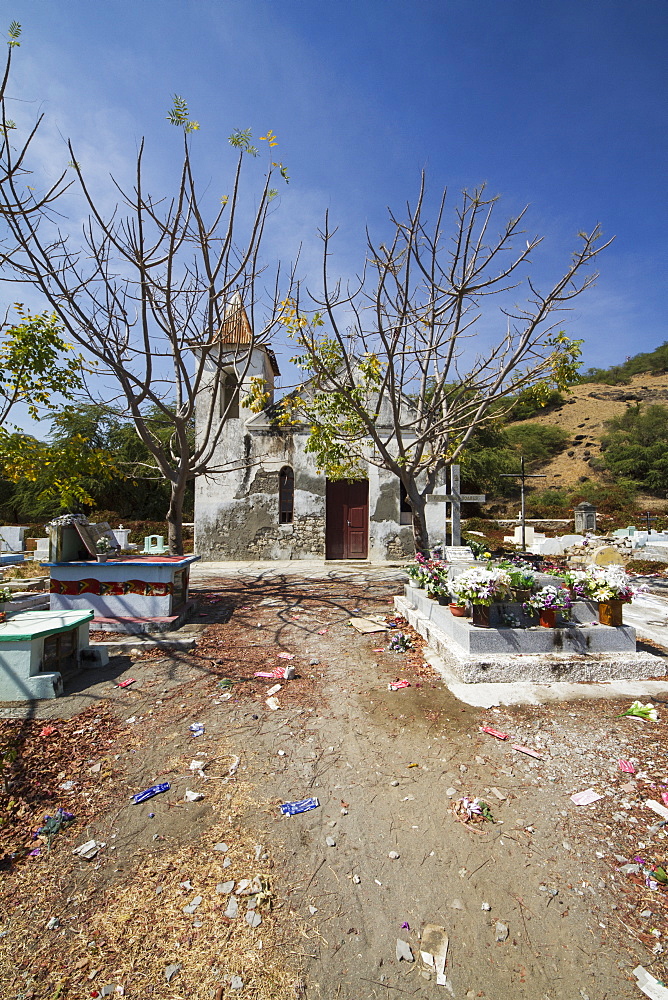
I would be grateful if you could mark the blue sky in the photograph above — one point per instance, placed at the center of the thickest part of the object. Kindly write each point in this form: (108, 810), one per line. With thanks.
(560, 105)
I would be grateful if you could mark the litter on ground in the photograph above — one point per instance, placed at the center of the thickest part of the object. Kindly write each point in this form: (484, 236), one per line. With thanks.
(367, 626)
(398, 685)
(528, 751)
(303, 805)
(586, 798)
(434, 950)
(494, 732)
(650, 986)
(150, 792)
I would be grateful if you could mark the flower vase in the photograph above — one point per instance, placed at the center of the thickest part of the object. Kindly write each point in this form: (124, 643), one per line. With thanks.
(548, 618)
(521, 594)
(610, 612)
(458, 610)
(443, 600)
(480, 615)
(101, 557)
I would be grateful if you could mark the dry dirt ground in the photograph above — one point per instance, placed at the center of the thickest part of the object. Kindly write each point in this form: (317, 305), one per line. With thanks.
(386, 767)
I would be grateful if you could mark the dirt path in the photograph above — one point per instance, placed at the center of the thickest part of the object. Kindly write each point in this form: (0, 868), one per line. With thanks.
(388, 759)
(385, 767)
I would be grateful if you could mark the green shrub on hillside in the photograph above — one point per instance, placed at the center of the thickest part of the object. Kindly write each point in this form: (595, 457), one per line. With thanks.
(537, 442)
(613, 499)
(528, 405)
(636, 447)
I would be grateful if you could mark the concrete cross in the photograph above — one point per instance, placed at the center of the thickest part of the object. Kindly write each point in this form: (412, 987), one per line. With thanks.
(455, 498)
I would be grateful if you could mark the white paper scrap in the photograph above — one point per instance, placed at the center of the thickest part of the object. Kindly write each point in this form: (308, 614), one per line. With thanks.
(657, 808)
(650, 986)
(586, 798)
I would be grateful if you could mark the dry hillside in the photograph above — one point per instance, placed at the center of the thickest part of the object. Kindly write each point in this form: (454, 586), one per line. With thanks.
(583, 416)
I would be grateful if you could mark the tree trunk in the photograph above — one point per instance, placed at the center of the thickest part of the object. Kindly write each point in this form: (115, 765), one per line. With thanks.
(420, 533)
(175, 518)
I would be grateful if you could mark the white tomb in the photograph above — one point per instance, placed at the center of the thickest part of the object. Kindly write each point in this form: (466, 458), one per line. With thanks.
(12, 538)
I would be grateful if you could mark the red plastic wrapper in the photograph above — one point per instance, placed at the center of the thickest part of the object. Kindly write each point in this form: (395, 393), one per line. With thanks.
(627, 767)
(494, 732)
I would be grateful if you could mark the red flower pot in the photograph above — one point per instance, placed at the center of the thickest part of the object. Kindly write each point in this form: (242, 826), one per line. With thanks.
(458, 610)
(548, 618)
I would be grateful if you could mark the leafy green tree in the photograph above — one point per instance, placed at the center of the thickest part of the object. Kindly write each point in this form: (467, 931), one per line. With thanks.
(36, 365)
(131, 486)
(530, 404)
(59, 472)
(537, 442)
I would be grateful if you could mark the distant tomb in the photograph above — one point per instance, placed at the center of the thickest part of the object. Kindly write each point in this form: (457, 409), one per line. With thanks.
(585, 517)
(12, 538)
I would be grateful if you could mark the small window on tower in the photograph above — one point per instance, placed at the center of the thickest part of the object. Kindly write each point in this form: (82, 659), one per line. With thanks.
(229, 395)
(286, 495)
(405, 509)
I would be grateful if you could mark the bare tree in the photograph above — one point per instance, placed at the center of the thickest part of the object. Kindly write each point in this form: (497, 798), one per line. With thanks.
(396, 376)
(150, 292)
(14, 151)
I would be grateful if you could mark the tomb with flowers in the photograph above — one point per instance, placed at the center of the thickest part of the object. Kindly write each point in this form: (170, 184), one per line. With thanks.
(506, 622)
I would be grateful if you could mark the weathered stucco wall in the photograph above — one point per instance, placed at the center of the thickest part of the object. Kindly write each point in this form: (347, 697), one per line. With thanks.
(236, 513)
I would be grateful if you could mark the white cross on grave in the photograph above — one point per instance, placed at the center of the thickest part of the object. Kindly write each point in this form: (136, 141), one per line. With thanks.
(455, 498)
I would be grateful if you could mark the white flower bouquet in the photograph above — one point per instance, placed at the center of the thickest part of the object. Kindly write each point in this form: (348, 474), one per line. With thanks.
(606, 583)
(480, 586)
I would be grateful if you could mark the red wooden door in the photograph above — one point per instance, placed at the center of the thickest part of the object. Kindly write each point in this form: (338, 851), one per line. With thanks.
(347, 520)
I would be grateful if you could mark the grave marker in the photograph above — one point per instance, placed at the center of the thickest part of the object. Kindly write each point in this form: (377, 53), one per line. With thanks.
(455, 498)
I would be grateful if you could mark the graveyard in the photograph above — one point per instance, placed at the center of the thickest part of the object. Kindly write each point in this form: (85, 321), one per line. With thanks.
(411, 713)
(386, 767)
(334, 571)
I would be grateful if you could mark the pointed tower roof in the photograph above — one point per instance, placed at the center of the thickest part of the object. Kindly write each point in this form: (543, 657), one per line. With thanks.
(235, 328)
(236, 331)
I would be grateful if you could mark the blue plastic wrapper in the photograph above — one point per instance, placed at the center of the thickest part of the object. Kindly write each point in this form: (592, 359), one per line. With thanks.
(197, 729)
(150, 792)
(292, 808)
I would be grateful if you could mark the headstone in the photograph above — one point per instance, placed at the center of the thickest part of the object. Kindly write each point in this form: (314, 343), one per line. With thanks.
(154, 545)
(42, 549)
(122, 536)
(607, 556)
(11, 538)
(457, 553)
(552, 547)
(36, 647)
(529, 535)
(568, 540)
(73, 542)
(585, 517)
